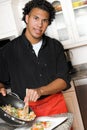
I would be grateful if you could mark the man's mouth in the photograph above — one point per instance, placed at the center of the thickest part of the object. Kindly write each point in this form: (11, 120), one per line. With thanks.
(38, 31)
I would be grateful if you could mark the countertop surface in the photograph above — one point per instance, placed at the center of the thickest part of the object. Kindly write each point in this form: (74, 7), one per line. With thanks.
(80, 73)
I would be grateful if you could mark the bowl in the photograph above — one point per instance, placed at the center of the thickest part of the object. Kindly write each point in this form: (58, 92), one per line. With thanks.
(57, 5)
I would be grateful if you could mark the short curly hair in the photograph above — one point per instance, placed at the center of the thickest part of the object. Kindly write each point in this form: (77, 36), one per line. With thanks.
(42, 4)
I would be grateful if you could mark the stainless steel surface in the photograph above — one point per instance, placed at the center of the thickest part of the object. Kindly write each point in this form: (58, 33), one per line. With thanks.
(81, 72)
(81, 67)
(5, 126)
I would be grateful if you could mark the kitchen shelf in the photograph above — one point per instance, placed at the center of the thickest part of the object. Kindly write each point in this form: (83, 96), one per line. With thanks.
(79, 7)
(74, 19)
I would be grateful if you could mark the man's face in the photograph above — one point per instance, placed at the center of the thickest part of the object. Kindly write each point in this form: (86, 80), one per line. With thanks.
(37, 21)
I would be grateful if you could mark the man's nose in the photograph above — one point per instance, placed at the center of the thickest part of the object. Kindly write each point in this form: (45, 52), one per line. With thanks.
(40, 23)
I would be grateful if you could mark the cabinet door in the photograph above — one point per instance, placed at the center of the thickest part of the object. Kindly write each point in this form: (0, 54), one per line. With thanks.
(79, 19)
(70, 24)
(17, 7)
(82, 95)
(7, 23)
(61, 26)
(73, 107)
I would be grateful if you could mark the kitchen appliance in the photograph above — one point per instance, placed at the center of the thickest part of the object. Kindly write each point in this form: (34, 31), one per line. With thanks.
(16, 102)
(70, 66)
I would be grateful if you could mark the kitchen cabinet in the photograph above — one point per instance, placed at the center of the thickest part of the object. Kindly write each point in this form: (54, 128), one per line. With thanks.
(70, 21)
(11, 24)
(17, 7)
(7, 22)
(81, 92)
(73, 107)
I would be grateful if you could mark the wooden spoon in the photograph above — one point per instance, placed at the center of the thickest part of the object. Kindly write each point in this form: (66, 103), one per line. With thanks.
(26, 107)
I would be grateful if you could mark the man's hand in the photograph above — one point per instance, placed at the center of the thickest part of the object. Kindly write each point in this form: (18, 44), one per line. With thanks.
(2, 89)
(32, 95)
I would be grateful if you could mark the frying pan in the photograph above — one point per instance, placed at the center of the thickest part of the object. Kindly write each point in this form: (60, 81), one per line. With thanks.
(16, 102)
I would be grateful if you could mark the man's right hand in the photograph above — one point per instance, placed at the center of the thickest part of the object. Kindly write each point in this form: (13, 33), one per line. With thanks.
(2, 89)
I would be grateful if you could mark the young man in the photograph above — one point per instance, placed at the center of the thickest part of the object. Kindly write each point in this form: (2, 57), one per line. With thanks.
(36, 62)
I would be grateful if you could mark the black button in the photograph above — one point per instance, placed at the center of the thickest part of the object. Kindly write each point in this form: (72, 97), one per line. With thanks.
(40, 75)
(45, 65)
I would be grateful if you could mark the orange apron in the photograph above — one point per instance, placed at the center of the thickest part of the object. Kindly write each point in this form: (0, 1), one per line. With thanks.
(54, 104)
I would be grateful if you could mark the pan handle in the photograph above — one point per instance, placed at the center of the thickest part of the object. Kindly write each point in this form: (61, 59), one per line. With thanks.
(14, 94)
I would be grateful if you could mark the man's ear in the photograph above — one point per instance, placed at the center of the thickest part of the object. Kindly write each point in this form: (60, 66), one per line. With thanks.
(26, 18)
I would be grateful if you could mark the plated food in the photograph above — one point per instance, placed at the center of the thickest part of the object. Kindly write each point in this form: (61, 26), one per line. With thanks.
(47, 123)
(41, 125)
(18, 113)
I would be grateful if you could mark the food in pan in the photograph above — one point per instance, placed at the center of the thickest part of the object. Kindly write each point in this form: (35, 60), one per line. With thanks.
(18, 113)
(41, 125)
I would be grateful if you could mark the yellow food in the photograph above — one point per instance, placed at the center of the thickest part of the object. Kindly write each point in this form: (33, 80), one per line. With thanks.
(37, 127)
(41, 125)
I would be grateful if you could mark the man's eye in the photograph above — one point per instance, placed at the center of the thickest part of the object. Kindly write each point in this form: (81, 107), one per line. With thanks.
(35, 18)
(45, 20)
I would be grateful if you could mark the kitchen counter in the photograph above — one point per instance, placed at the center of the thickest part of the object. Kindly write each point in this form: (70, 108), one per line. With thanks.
(79, 75)
(64, 126)
(81, 72)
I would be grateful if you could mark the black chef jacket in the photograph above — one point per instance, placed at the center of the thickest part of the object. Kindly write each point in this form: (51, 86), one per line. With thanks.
(20, 68)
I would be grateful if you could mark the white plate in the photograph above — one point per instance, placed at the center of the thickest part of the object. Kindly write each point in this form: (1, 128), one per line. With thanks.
(55, 121)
